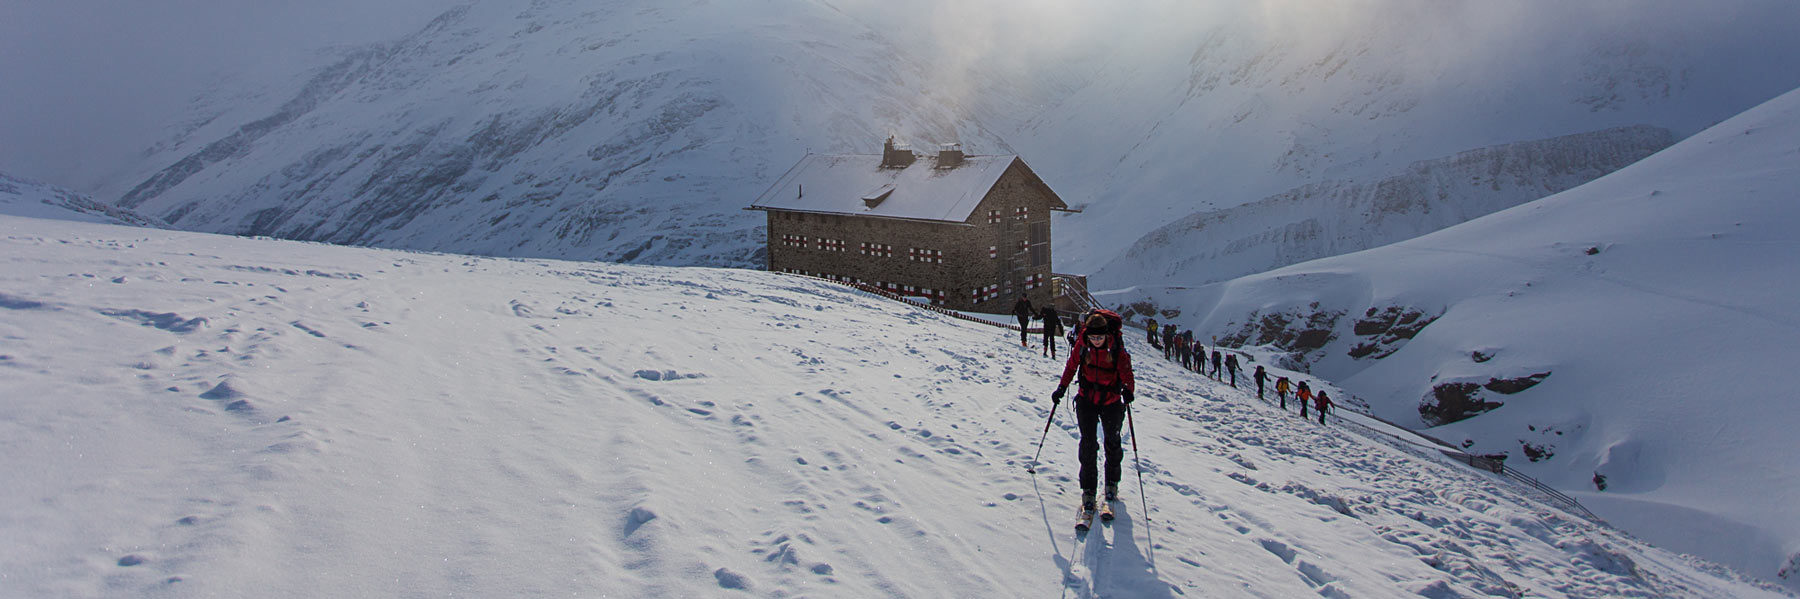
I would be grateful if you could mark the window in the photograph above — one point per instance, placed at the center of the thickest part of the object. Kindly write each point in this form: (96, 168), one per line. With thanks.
(1040, 255)
(796, 241)
(934, 296)
(925, 255)
(1034, 281)
(830, 245)
(993, 251)
(1040, 233)
(985, 293)
(878, 250)
(993, 217)
(1021, 213)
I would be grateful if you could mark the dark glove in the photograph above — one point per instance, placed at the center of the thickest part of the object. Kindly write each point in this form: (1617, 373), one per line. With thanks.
(1129, 396)
(1056, 396)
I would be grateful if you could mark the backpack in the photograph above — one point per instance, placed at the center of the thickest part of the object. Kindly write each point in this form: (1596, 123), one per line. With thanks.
(1113, 321)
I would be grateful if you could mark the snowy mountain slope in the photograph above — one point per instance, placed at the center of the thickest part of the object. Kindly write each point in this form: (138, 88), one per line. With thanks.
(1339, 217)
(1215, 105)
(628, 130)
(1635, 331)
(635, 131)
(196, 415)
(19, 197)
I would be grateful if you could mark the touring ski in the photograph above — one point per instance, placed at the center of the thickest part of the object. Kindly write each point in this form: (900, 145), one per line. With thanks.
(1084, 518)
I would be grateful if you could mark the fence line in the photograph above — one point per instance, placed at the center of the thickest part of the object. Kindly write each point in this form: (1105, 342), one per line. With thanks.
(912, 301)
(1475, 461)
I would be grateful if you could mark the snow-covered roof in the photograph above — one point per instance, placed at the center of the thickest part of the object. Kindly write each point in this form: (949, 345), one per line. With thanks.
(857, 184)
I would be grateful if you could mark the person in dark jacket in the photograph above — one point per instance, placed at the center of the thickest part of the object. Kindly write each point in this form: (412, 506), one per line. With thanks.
(1196, 352)
(1052, 328)
(1023, 310)
(1187, 343)
(1182, 351)
(1217, 357)
(1260, 376)
(1231, 364)
(1102, 367)
(1322, 401)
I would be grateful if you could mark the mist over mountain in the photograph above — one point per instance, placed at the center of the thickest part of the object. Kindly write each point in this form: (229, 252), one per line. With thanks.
(628, 132)
(1231, 103)
(1339, 217)
(636, 131)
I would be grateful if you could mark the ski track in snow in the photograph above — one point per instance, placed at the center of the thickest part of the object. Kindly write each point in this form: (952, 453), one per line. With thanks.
(304, 420)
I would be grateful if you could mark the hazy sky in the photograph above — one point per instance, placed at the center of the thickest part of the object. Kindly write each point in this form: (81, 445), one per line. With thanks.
(85, 83)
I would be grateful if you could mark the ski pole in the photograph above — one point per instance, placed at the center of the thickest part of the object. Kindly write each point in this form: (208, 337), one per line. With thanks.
(1140, 462)
(1032, 467)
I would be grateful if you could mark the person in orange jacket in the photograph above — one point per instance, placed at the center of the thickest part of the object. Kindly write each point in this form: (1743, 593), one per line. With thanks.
(1105, 389)
(1305, 396)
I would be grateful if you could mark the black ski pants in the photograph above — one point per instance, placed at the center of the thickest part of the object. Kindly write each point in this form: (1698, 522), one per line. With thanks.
(1110, 418)
(1024, 335)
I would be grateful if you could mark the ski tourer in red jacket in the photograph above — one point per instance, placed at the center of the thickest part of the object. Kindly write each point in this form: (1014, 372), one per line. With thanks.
(1101, 369)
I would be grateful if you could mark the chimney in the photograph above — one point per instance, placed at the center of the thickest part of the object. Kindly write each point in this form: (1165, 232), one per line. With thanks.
(895, 156)
(950, 155)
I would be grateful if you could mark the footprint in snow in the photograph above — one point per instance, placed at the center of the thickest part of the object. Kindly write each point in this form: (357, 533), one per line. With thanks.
(168, 321)
(664, 375)
(731, 580)
(637, 518)
(1278, 548)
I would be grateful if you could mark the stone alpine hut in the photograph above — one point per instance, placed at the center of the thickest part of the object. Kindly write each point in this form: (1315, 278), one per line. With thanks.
(967, 232)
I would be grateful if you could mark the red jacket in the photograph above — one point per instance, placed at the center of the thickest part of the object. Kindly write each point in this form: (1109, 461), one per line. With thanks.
(1102, 381)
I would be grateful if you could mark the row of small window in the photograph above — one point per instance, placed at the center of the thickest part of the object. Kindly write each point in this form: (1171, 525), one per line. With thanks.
(879, 250)
(1020, 213)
